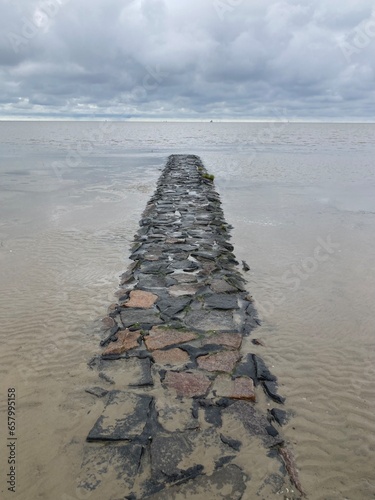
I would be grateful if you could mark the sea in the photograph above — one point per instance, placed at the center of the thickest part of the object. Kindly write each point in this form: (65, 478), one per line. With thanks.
(301, 200)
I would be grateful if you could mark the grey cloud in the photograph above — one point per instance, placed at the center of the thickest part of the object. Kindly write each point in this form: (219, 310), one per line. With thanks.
(168, 59)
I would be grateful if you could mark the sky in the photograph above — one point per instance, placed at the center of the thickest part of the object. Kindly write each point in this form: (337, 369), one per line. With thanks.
(187, 59)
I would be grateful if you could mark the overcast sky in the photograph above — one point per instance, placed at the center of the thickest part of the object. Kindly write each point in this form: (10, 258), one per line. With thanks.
(188, 59)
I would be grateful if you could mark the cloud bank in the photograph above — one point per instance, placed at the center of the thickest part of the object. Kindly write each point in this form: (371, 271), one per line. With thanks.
(187, 59)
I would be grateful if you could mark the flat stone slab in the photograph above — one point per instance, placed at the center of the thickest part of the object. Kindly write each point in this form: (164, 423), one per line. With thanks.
(164, 337)
(172, 357)
(183, 289)
(175, 415)
(106, 466)
(227, 483)
(222, 286)
(255, 423)
(124, 417)
(178, 456)
(130, 317)
(187, 384)
(210, 320)
(99, 392)
(239, 388)
(222, 301)
(223, 361)
(171, 307)
(132, 372)
(184, 277)
(126, 340)
(141, 299)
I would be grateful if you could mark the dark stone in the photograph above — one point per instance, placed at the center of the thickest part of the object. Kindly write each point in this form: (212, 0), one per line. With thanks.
(121, 459)
(229, 478)
(97, 391)
(204, 255)
(247, 368)
(111, 337)
(224, 461)
(195, 352)
(153, 281)
(154, 268)
(280, 416)
(270, 388)
(254, 422)
(272, 431)
(146, 377)
(233, 443)
(185, 265)
(132, 410)
(222, 301)
(212, 415)
(245, 266)
(105, 377)
(171, 307)
(166, 453)
(262, 372)
(237, 283)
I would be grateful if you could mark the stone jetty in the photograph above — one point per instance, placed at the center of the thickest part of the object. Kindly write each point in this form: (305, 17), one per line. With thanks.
(179, 401)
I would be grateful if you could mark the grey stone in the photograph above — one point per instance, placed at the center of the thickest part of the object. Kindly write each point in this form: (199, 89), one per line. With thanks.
(262, 372)
(254, 422)
(104, 466)
(280, 416)
(124, 417)
(154, 268)
(227, 483)
(170, 307)
(97, 391)
(216, 320)
(130, 317)
(222, 286)
(270, 388)
(247, 368)
(222, 301)
(185, 265)
(145, 378)
(204, 255)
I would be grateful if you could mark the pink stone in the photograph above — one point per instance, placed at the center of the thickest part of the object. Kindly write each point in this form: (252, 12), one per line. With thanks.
(126, 340)
(187, 384)
(224, 361)
(141, 299)
(239, 388)
(233, 340)
(163, 337)
(171, 357)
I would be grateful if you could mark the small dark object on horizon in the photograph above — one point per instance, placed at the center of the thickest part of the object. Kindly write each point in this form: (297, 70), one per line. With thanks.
(245, 266)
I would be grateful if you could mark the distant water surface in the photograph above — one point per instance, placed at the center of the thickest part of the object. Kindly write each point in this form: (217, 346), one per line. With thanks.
(301, 198)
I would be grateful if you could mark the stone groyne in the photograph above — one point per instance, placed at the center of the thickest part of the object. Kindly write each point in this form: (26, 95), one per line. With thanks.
(181, 391)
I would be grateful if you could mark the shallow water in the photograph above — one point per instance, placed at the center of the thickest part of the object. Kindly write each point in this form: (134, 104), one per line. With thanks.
(301, 200)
